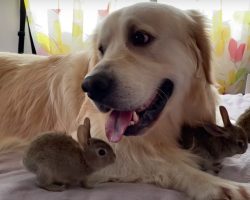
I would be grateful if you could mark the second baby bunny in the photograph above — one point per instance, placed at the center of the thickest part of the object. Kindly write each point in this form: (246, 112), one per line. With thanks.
(244, 122)
(58, 160)
(213, 143)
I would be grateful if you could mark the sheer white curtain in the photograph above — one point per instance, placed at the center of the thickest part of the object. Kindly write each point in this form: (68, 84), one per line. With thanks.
(229, 22)
(63, 26)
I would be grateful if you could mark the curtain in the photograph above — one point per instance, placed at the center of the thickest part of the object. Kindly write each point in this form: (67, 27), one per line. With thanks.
(63, 26)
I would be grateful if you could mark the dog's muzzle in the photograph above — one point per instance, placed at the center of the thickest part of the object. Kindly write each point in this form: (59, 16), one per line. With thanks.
(126, 122)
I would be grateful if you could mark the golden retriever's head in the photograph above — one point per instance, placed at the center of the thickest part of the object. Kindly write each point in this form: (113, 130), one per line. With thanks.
(149, 58)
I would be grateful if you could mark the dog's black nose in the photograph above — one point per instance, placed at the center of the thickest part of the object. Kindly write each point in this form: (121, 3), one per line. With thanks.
(97, 86)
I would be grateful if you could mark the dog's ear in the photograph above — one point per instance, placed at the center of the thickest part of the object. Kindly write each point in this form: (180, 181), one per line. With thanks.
(200, 44)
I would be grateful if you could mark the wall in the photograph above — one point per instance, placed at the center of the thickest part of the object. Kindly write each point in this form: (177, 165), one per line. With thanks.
(9, 26)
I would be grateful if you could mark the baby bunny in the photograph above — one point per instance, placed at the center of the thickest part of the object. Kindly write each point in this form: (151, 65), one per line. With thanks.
(59, 161)
(244, 122)
(213, 143)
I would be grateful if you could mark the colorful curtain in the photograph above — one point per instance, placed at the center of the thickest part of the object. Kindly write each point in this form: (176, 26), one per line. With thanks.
(63, 26)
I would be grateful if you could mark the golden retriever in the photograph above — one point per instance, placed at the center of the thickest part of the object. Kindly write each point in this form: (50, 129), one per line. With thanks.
(147, 73)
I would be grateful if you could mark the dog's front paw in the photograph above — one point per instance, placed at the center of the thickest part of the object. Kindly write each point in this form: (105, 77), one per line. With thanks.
(236, 193)
(229, 192)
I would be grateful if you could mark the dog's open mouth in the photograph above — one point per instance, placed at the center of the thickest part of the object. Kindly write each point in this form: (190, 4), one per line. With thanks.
(132, 123)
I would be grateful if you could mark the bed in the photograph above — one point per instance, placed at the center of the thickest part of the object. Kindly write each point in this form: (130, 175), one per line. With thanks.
(17, 183)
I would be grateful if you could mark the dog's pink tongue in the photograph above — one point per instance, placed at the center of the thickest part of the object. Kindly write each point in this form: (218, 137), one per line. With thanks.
(117, 122)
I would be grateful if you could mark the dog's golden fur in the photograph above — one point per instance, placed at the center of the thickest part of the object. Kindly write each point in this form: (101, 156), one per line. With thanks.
(44, 93)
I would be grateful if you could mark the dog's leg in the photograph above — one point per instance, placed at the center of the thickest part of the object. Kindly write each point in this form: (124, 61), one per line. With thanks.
(201, 185)
(177, 175)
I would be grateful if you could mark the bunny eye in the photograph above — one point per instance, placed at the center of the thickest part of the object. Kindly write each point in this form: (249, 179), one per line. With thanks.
(101, 152)
(241, 144)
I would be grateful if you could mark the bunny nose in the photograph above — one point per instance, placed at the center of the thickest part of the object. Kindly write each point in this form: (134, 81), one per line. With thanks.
(97, 86)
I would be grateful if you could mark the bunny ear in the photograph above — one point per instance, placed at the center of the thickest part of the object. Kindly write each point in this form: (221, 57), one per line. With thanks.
(215, 130)
(83, 133)
(225, 116)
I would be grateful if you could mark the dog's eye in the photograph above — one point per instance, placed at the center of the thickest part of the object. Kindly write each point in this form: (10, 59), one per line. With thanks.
(140, 38)
(101, 49)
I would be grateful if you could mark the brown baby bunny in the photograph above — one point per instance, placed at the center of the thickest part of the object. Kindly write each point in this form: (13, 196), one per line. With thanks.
(244, 122)
(59, 161)
(213, 143)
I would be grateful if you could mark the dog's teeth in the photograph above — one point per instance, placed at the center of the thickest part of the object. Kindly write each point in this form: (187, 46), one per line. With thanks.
(131, 123)
(135, 117)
